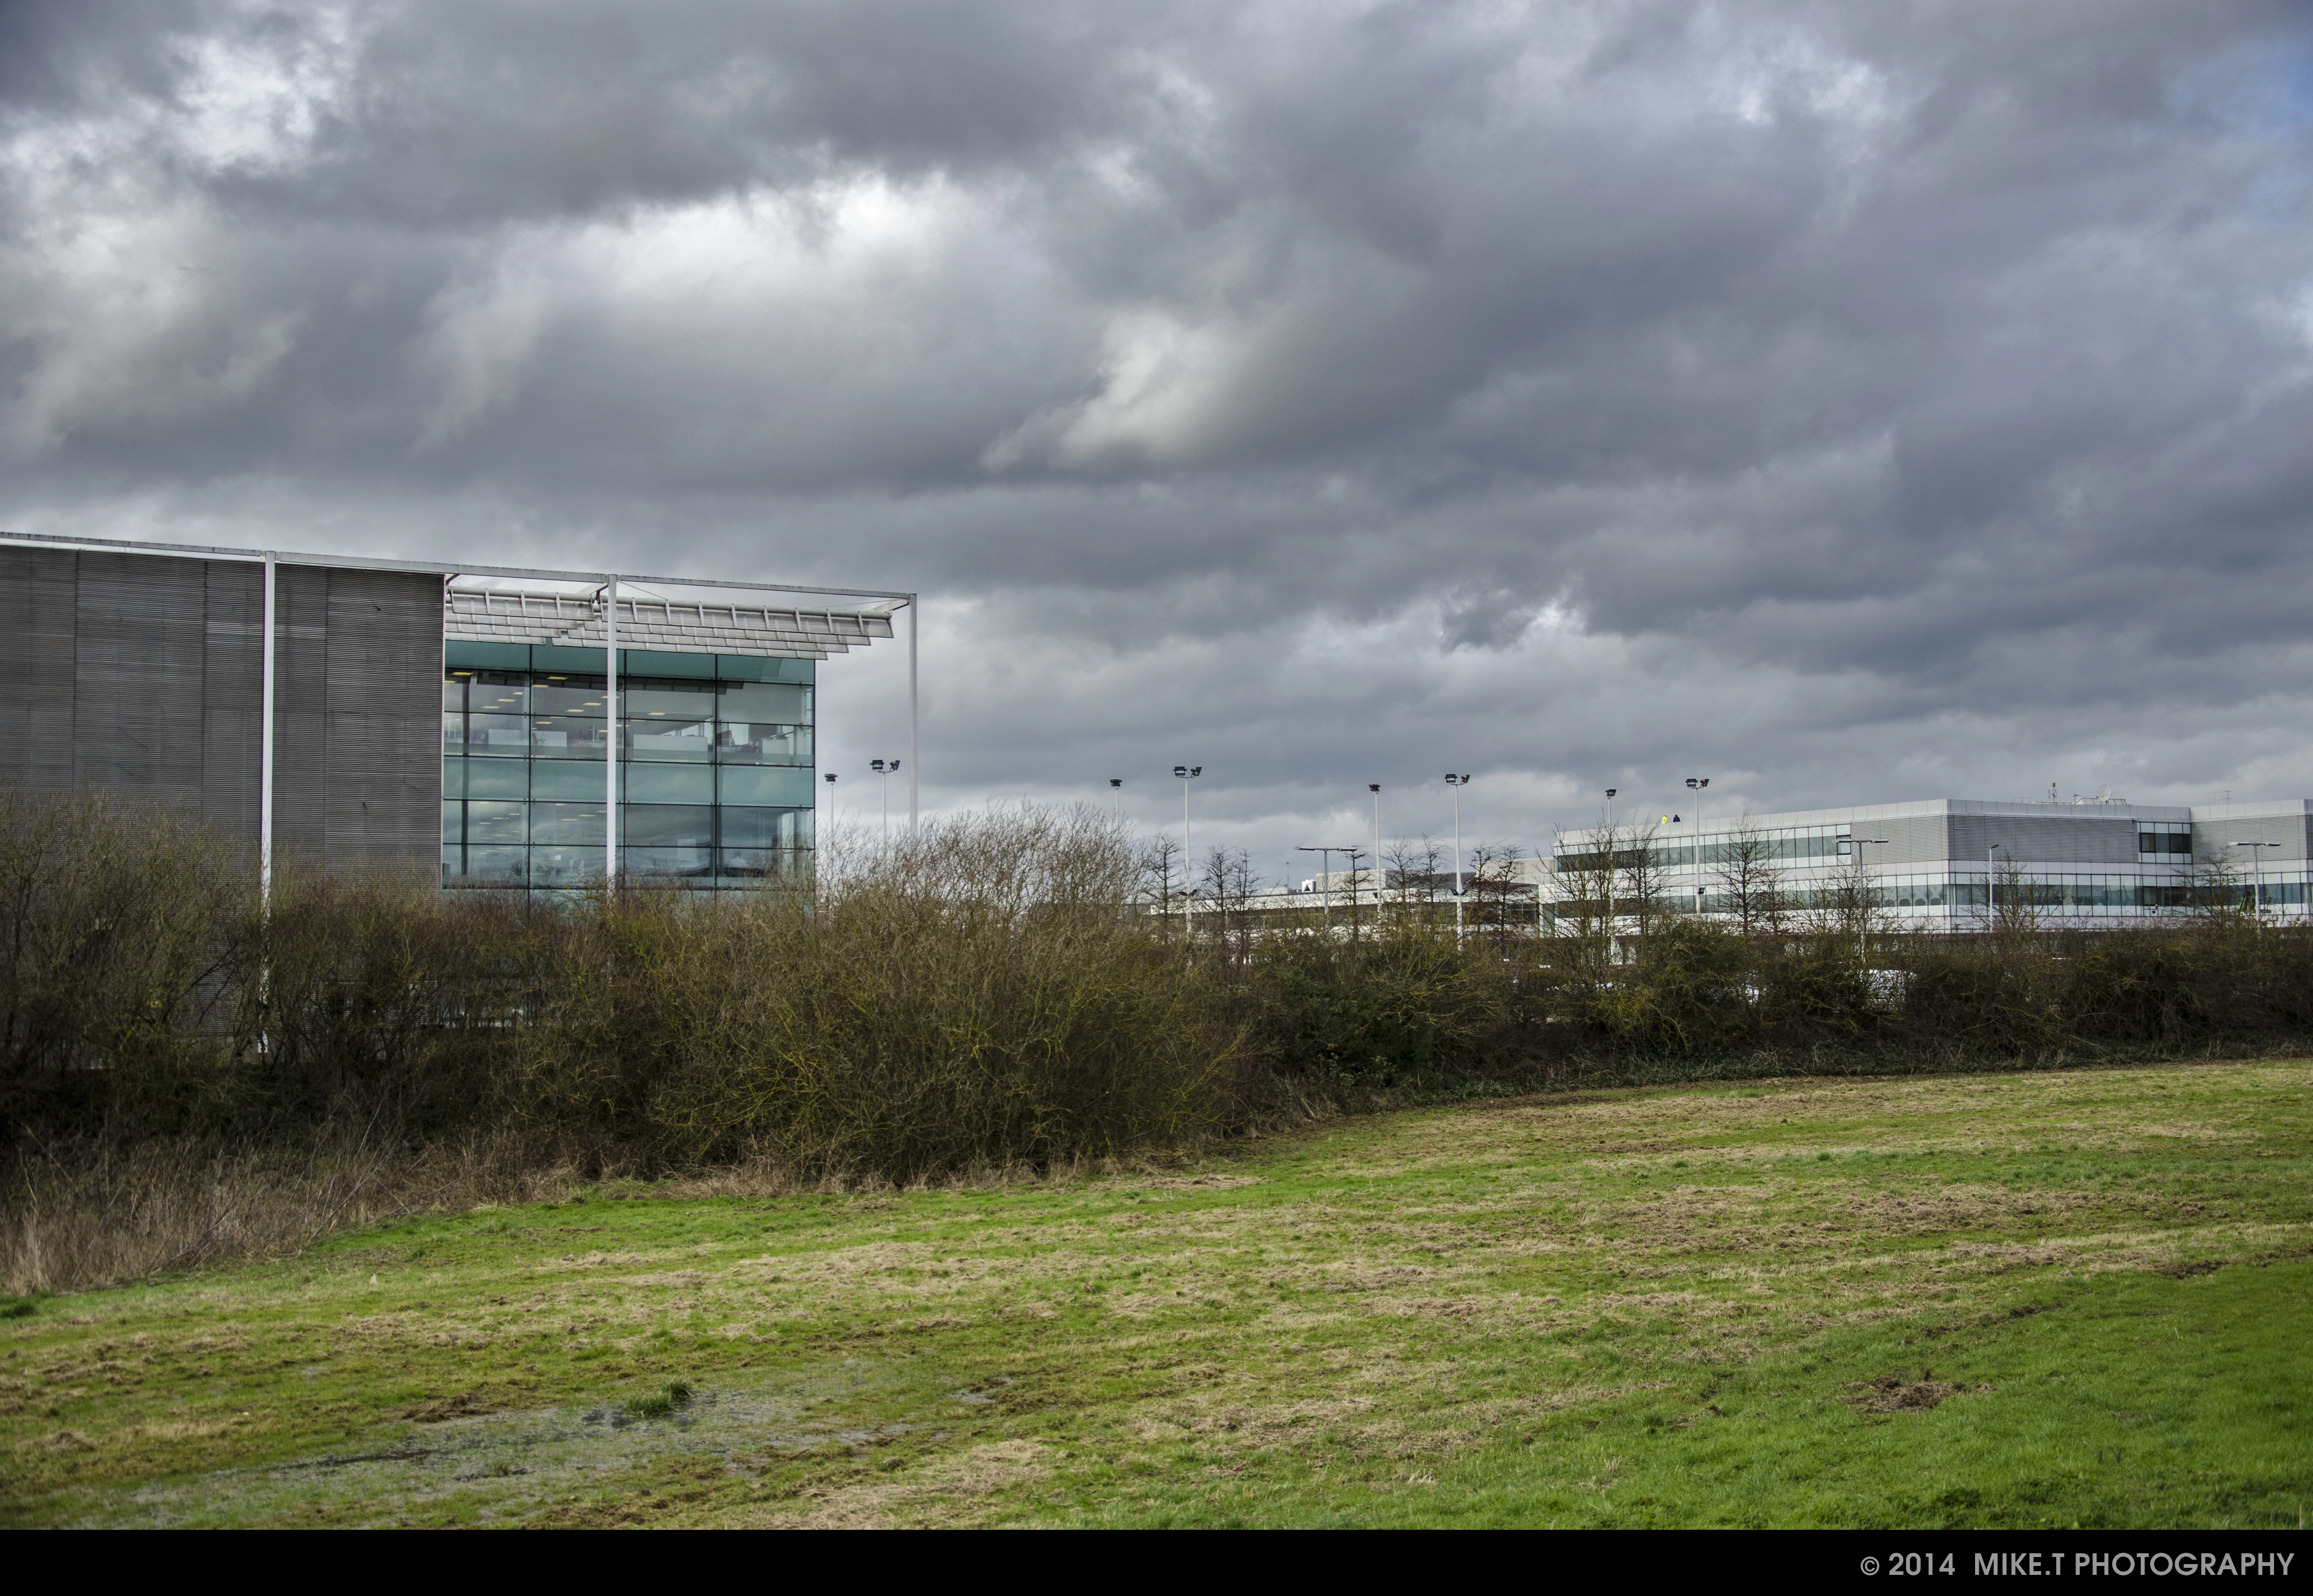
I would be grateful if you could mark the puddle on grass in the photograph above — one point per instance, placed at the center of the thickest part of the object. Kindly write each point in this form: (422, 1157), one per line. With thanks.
(501, 1468)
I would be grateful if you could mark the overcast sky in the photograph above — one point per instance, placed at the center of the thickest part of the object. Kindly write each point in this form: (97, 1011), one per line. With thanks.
(1848, 402)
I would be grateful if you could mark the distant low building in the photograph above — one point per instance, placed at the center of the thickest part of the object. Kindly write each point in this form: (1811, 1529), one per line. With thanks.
(1934, 864)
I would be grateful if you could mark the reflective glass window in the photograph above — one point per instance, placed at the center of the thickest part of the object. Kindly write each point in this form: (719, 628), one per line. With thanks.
(486, 866)
(667, 861)
(497, 820)
(670, 720)
(666, 784)
(567, 778)
(502, 737)
(787, 786)
(776, 703)
(758, 828)
(570, 824)
(565, 867)
(668, 825)
(566, 736)
(756, 864)
(568, 695)
(746, 742)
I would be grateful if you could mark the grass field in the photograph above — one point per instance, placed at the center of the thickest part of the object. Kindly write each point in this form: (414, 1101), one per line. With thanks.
(2077, 1298)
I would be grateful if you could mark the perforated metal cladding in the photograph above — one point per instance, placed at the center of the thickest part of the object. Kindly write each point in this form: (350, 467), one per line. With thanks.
(133, 674)
(358, 759)
(2055, 840)
(142, 673)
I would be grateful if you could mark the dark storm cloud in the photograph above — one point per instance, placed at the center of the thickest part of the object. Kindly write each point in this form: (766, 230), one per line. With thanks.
(1867, 402)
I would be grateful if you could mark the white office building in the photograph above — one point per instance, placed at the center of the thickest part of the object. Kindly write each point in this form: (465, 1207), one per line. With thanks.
(1932, 864)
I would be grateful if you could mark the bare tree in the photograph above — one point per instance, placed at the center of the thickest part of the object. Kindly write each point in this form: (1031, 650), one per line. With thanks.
(1160, 863)
(1583, 881)
(1415, 867)
(1492, 886)
(1751, 871)
(1644, 874)
(2219, 891)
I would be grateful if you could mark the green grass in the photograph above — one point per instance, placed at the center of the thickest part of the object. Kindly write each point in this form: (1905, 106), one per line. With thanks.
(2076, 1297)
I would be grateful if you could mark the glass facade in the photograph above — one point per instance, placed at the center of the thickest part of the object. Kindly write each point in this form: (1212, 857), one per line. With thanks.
(714, 767)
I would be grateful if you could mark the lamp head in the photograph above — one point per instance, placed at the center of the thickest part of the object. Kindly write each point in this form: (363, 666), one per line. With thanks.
(1691, 783)
(1180, 770)
(1373, 786)
(876, 765)
(1116, 781)
(1610, 792)
(830, 778)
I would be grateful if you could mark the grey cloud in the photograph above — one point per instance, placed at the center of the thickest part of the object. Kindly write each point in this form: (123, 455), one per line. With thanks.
(1846, 395)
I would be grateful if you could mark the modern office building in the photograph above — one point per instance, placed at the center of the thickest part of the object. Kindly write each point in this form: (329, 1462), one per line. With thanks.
(525, 729)
(1934, 865)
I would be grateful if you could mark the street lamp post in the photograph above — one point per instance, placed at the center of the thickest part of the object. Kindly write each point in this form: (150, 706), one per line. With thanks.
(1862, 895)
(1324, 877)
(883, 769)
(1457, 783)
(1187, 773)
(1116, 807)
(2257, 857)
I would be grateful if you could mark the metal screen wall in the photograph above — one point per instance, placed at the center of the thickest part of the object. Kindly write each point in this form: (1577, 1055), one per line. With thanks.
(141, 673)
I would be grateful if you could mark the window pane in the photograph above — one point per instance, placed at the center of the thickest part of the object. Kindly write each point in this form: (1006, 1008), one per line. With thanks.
(668, 825)
(498, 735)
(778, 704)
(756, 743)
(758, 828)
(568, 695)
(667, 784)
(498, 693)
(485, 779)
(495, 821)
(485, 867)
(565, 867)
(571, 823)
(785, 787)
(559, 779)
(668, 861)
(565, 736)
(762, 864)
(453, 692)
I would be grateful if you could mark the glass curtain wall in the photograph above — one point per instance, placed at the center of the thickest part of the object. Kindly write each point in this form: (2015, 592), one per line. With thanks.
(716, 779)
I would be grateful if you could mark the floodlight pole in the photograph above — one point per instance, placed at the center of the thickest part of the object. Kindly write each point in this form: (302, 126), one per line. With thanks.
(1187, 773)
(915, 606)
(1455, 783)
(610, 743)
(265, 749)
(1375, 788)
(1698, 785)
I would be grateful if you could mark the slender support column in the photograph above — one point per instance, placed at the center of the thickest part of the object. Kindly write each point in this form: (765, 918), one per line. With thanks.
(915, 603)
(265, 747)
(610, 748)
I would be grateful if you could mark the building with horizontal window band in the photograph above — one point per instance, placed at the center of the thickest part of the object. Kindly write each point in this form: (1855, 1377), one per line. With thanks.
(1934, 865)
(363, 713)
